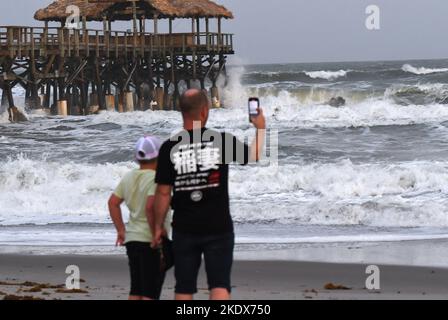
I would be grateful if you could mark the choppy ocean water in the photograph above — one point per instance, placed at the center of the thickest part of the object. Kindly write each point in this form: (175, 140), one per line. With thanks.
(373, 170)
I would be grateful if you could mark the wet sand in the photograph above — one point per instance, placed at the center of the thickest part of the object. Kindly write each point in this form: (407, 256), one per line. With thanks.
(106, 278)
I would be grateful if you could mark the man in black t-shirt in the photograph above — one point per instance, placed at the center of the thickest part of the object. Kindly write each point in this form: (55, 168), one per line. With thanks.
(192, 176)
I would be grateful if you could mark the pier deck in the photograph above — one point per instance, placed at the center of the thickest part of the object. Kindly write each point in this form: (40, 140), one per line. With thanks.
(25, 42)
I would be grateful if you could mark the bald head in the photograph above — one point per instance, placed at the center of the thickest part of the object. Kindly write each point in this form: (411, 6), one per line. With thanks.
(193, 102)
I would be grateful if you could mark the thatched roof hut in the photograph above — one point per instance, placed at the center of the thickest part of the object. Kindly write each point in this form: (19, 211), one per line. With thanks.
(57, 11)
(96, 10)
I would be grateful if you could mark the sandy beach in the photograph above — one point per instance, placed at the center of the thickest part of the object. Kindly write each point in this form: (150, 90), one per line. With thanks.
(106, 278)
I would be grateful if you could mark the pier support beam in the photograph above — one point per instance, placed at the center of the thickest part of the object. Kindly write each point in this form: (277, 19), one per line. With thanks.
(62, 108)
(167, 102)
(216, 102)
(42, 100)
(74, 102)
(110, 102)
(10, 98)
(4, 103)
(129, 101)
(160, 93)
(120, 102)
(166, 97)
(54, 106)
(47, 93)
(94, 106)
(14, 114)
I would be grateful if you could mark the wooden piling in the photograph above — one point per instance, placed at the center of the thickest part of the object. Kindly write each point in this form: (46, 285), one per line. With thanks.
(74, 104)
(129, 101)
(110, 102)
(214, 93)
(47, 93)
(121, 102)
(9, 97)
(4, 102)
(160, 94)
(62, 108)
(93, 103)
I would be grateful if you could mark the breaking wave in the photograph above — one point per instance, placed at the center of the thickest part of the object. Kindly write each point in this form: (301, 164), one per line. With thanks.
(327, 75)
(422, 70)
(342, 193)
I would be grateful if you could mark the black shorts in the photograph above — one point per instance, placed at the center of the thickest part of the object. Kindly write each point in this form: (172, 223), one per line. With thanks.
(218, 256)
(146, 275)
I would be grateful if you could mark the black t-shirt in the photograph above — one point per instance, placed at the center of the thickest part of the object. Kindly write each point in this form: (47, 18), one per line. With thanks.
(196, 165)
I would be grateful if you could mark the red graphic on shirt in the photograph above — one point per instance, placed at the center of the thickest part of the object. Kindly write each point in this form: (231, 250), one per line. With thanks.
(214, 177)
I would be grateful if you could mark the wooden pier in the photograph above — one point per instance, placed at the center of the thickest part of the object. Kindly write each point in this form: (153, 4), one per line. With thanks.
(79, 71)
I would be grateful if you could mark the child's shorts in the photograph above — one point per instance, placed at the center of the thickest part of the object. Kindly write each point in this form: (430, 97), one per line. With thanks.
(147, 276)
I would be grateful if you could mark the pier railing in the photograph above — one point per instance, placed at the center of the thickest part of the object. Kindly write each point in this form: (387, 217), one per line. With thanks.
(22, 42)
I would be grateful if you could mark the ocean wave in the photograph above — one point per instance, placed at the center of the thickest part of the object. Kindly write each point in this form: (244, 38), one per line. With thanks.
(170, 119)
(344, 180)
(308, 107)
(98, 240)
(316, 77)
(263, 77)
(294, 104)
(422, 70)
(403, 194)
(363, 238)
(326, 75)
(41, 192)
(393, 195)
(286, 110)
(377, 76)
(420, 94)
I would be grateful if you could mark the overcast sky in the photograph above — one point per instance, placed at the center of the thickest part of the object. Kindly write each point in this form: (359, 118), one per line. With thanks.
(314, 30)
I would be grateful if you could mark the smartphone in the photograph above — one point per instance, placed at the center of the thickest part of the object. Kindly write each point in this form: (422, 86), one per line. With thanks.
(254, 108)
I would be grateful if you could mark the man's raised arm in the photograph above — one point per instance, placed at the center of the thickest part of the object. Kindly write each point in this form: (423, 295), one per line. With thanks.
(256, 148)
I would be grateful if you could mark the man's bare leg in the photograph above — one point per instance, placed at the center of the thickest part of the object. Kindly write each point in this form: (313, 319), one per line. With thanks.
(183, 297)
(219, 294)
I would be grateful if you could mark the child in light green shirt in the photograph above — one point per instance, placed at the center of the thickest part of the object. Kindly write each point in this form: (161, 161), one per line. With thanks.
(137, 190)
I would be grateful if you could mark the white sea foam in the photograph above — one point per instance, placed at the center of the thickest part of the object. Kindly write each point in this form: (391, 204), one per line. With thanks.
(429, 88)
(422, 70)
(286, 110)
(233, 92)
(139, 118)
(407, 194)
(399, 195)
(341, 238)
(100, 239)
(326, 75)
(345, 180)
(4, 117)
(44, 192)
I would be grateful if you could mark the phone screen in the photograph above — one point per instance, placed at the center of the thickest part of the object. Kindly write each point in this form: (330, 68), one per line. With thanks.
(254, 104)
